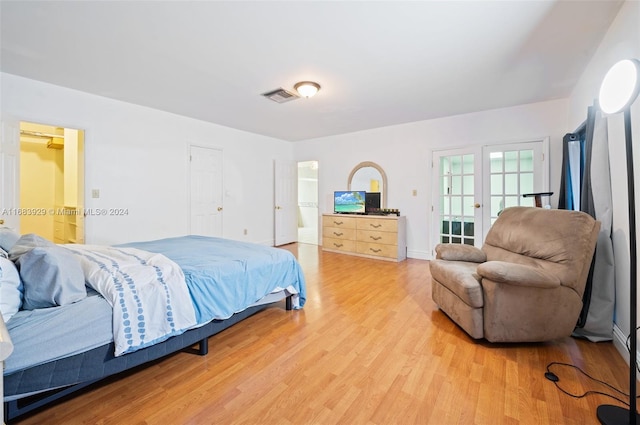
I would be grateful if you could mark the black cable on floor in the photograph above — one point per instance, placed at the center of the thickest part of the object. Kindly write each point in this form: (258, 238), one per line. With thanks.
(554, 378)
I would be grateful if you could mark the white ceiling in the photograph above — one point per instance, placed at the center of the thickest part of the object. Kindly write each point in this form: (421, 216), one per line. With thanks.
(379, 63)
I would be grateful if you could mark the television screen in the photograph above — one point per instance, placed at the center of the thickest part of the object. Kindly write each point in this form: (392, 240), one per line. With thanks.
(372, 201)
(351, 201)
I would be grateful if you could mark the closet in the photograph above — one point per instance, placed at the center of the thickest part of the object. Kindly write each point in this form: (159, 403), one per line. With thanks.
(51, 182)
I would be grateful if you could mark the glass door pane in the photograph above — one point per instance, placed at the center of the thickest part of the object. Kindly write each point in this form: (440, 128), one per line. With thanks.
(472, 185)
(456, 212)
(513, 170)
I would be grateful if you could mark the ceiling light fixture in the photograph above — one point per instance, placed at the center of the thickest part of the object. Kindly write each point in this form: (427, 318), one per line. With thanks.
(307, 88)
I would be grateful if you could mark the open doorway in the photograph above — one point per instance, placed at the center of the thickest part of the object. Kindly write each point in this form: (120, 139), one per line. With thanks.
(51, 182)
(308, 202)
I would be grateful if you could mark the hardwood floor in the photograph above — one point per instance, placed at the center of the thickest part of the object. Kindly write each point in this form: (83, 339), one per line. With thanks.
(369, 347)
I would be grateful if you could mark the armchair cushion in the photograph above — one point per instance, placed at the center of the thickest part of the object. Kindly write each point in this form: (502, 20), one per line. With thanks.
(456, 252)
(517, 274)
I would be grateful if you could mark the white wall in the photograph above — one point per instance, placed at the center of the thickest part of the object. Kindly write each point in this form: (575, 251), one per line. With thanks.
(137, 158)
(621, 41)
(404, 152)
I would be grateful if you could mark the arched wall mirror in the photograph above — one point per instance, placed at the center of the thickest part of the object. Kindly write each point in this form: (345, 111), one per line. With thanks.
(370, 177)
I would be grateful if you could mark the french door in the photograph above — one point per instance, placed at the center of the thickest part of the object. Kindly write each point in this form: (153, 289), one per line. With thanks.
(472, 185)
(457, 203)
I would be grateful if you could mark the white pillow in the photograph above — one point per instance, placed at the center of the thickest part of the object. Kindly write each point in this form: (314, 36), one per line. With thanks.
(10, 289)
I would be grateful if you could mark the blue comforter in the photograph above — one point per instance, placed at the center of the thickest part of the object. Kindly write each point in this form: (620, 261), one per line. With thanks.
(226, 276)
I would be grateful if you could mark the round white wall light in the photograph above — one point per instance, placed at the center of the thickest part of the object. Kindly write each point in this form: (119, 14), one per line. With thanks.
(620, 86)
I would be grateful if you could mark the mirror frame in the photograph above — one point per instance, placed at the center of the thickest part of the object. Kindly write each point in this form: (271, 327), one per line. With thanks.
(366, 164)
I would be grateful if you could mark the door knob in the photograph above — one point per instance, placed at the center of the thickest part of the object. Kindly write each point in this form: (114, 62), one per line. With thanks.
(476, 205)
(1, 221)
(219, 208)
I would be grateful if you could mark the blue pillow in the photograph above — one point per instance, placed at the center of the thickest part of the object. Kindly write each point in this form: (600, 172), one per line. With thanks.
(10, 289)
(50, 274)
(7, 238)
(51, 277)
(26, 243)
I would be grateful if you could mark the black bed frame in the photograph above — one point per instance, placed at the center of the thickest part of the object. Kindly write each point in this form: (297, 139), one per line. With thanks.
(71, 374)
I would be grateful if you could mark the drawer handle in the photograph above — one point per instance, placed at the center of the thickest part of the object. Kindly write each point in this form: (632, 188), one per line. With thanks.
(337, 245)
(375, 238)
(375, 226)
(338, 223)
(338, 233)
(375, 250)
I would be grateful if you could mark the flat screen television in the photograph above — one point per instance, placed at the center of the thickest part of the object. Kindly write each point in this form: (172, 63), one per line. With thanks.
(372, 201)
(349, 202)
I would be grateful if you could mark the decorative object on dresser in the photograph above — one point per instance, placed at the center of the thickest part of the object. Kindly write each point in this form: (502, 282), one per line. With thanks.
(380, 237)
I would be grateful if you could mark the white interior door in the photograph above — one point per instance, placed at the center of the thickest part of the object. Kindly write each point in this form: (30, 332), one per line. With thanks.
(457, 203)
(10, 173)
(286, 202)
(205, 174)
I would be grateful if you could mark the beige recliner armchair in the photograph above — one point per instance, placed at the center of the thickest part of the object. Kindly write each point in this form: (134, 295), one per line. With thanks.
(527, 281)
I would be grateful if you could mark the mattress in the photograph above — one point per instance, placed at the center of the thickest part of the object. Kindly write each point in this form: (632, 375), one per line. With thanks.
(47, 334)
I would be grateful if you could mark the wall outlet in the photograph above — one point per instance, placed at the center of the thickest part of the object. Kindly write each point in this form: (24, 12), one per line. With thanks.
(95, 193)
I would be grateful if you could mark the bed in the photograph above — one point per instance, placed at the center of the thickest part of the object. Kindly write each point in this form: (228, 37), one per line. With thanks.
(142, 301)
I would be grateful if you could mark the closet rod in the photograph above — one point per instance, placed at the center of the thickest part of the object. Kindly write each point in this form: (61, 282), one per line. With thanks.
(39, 134)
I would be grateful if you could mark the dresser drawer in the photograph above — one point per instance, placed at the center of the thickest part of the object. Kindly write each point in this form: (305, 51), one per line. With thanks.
(339, 222)
(339, 244)
(339, 233)
(378, 237)
(379, 224)
(377, 249)
(374, 236)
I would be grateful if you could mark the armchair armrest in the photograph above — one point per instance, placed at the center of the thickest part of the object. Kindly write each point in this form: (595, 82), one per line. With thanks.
(457, 252)
(517, 274)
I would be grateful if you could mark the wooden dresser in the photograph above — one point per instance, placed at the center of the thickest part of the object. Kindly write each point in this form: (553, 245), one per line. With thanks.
(380, 237)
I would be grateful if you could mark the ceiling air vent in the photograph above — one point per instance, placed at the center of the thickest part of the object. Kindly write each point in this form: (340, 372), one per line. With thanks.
(280, 95)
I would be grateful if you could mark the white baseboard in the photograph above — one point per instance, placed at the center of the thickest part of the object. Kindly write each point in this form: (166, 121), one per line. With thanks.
(620, 342)
(418, 255)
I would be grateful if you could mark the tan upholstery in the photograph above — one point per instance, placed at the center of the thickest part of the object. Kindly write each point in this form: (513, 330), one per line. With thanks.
(527, 281)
